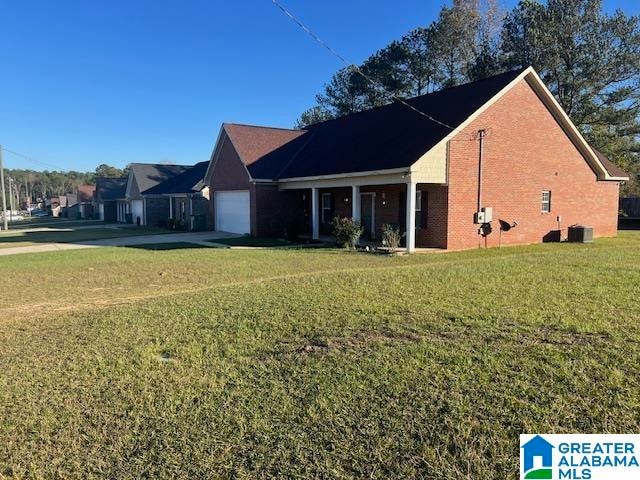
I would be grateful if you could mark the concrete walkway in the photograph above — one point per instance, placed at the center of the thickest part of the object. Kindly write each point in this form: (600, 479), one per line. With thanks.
(198, 238)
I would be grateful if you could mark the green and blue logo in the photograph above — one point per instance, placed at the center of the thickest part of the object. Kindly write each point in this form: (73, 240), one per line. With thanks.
(536, 459)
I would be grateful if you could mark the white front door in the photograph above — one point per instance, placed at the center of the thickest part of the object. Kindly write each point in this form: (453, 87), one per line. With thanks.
(137, 211)
(232, 212)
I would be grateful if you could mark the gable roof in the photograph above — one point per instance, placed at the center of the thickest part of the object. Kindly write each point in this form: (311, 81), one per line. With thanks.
(391, 137)
(110, 188)
(148, 175)
(86, 193)
(186, 182)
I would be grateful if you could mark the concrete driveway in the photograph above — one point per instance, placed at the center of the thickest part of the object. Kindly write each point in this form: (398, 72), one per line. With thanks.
(198, 238)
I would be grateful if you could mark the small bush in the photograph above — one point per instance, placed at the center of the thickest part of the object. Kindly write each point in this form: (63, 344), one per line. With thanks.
(391, 237)
(347, 231)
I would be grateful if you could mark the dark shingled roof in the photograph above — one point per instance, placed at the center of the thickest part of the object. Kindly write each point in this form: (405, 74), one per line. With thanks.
(148, 175)
(182, 183)
(388, 137)
(613, 169)
(110, 188)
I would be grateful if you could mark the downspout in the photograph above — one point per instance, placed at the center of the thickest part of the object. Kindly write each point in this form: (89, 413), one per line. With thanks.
(481, 135)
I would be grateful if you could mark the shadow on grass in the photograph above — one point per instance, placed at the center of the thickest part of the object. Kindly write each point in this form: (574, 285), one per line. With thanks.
(167, 246)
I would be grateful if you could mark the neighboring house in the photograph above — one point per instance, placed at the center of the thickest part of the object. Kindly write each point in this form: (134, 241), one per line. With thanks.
(500, 148)
(56, 205)
(108, 191)
(80, 203)
(183, 198)
(71, 209)
(86, 201)
(133, 206)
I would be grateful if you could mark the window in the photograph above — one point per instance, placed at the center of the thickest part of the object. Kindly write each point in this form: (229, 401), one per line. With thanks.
(546, 201)
(418, 209)
(326, 207)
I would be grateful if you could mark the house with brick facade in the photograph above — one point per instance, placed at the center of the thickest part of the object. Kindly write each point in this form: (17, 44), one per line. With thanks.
(449, 169)
(133, 207)
(182, 198)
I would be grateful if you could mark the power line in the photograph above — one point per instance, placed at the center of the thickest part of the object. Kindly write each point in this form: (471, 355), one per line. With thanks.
(354, 67)
(26, 157)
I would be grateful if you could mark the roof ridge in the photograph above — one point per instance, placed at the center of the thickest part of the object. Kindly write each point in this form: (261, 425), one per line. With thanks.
(417, 97)
(265, 127)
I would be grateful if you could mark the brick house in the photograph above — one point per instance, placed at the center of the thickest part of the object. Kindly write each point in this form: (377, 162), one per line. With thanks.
(496, 149)
(133, 207)
(183, 198)
(109, 190)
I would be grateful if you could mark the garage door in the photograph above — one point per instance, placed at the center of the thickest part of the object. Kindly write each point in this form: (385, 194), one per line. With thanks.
(136, 211)
(232, 212)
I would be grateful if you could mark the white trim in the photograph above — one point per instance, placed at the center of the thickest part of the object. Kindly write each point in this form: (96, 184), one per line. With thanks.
(550, 102)
(355, 203)
(345, 175)
(315, 217)
(396, 178)
(411, 217)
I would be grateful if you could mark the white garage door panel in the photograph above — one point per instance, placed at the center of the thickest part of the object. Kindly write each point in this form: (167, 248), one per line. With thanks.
(136, 211)
(232, 212)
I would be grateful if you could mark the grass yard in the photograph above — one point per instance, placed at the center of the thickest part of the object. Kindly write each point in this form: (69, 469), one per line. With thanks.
(64, 234)
(218, 363)
(248, 241)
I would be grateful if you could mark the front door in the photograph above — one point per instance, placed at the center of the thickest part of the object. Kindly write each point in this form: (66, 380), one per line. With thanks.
(367, 215)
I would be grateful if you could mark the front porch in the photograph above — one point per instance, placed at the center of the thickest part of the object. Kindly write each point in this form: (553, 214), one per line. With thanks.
(412, 207)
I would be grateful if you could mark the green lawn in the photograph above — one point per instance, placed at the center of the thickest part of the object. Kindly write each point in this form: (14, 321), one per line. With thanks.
(20, 238)
(248, 241)
(218, 363)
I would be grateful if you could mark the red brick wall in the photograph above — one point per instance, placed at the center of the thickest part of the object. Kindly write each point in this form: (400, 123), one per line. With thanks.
(435, 233)
(279, 213)
(525, 152)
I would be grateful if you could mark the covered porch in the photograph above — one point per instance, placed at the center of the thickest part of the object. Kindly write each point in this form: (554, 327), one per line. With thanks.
(411, 206)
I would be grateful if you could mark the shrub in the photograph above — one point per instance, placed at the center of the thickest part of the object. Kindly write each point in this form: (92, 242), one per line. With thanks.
(347, 231)
(391, 237)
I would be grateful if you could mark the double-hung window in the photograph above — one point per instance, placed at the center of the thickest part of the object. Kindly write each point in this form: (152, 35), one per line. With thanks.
(546, 201)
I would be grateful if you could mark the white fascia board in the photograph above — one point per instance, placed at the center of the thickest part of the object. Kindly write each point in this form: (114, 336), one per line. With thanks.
(345, 175)
(559, 114)
(399, 176)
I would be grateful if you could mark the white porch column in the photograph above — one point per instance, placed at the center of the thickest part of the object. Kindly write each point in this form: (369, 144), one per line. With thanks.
(315, 213)
(170, 206)
(411, 217)
(355, 202)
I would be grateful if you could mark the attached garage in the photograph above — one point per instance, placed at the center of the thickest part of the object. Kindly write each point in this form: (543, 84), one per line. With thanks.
(232, 211)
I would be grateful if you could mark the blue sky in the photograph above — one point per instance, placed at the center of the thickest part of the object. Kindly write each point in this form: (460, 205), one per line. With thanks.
(90, 82)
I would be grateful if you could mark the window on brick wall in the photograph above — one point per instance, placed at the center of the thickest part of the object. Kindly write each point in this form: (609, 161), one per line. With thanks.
(546, 201)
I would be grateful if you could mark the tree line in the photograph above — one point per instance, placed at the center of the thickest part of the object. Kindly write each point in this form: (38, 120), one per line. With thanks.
(588, 58)
(29, 186)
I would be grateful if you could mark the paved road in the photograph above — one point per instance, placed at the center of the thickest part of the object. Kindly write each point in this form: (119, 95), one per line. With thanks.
(199, 238)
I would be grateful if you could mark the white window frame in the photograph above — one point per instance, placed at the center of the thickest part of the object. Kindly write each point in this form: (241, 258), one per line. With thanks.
(326, 208)
(545, 206)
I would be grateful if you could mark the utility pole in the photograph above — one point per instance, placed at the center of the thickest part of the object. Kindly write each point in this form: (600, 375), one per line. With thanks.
(4, 199)
(11, 204)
